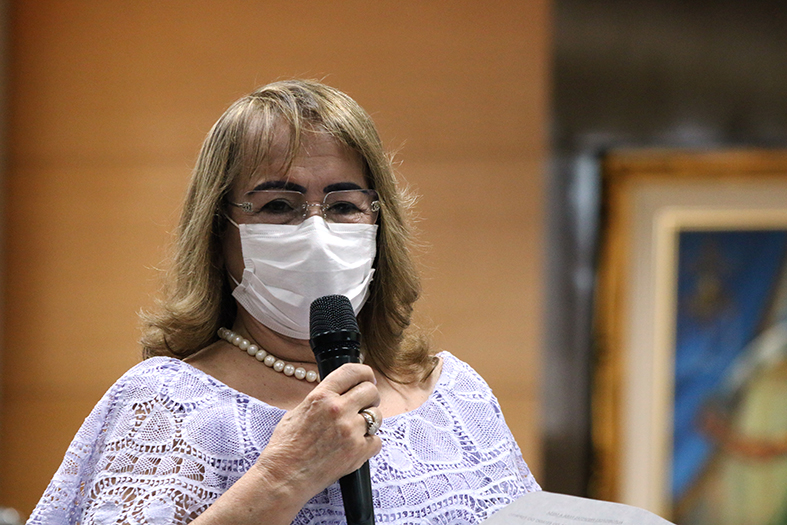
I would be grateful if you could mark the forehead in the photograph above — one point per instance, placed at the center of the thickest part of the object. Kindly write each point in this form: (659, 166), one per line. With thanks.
(318, 159)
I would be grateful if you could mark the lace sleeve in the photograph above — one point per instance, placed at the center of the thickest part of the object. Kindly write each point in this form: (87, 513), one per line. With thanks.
(136, 459)
(66, 491)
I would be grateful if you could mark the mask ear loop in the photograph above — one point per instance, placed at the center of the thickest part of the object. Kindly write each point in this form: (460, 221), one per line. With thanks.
(231, 221)
(228, 271)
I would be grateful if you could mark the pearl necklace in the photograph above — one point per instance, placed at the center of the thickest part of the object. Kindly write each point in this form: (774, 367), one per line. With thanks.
(267, 359)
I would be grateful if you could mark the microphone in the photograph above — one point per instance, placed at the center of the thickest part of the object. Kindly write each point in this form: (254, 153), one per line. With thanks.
(335, 340)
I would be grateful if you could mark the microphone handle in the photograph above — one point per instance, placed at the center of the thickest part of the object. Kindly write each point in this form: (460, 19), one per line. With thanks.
(356, 486)
(357, 496)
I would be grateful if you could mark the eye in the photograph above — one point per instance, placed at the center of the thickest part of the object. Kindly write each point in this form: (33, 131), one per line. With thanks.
(277, 207)
(343, 208)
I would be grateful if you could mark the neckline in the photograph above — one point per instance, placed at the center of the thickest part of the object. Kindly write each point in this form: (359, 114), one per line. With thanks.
(194, 371)
(442, 381)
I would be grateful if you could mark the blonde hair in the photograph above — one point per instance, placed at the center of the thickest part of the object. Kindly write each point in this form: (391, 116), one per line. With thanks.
(197, 298)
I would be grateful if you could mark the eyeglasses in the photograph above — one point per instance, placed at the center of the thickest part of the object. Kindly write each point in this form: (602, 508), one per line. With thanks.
(291, 207)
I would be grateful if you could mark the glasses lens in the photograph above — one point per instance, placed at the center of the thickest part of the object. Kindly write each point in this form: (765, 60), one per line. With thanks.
(275, 207)
(348, 206)
(288, 207)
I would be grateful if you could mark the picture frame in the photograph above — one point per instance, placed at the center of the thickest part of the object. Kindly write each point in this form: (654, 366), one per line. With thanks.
(650, 198)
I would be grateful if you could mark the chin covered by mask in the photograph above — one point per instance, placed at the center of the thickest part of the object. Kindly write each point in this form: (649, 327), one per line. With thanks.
(286, 267)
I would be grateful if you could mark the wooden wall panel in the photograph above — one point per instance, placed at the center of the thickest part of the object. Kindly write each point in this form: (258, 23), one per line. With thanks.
(109, 101)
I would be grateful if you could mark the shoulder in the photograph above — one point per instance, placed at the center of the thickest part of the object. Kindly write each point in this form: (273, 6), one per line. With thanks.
(473, 408)
(158, 425)
(461, 450)
(162, 400)
(158, 391)
(140, 384)
(172, 381)
(158, 370)
(160, 374)
(459, 377)
(190, 396)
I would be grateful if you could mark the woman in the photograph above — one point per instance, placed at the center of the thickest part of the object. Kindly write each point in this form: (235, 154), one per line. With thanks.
(292, 198)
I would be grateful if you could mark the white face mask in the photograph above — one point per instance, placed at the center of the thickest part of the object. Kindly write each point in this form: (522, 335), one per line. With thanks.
(287, 266)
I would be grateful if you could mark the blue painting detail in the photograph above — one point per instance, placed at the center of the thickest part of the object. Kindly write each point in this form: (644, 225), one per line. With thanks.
(725, 284)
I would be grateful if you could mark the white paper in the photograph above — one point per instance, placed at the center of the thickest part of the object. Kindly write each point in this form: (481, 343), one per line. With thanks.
(548, 508)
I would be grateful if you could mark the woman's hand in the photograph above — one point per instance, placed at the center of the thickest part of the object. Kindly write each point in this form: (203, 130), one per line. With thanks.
(324, 437)
(316, 443)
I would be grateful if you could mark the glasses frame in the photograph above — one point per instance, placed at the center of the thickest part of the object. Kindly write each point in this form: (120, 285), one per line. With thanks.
(374, 205)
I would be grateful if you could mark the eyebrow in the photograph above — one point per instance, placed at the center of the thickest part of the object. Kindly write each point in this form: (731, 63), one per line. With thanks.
(341, 186)
(291, 186)
(279, 185)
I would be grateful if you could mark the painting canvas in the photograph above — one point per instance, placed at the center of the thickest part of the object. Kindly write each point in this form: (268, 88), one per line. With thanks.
(730, 387)
(690, 390)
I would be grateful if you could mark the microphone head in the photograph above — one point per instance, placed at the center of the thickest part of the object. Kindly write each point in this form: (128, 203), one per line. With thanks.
(331, 313)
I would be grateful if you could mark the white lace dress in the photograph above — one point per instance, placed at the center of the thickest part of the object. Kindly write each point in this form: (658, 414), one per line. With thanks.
(167, 440)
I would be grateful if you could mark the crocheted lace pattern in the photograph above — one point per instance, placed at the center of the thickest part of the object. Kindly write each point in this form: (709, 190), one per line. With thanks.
(167, 440)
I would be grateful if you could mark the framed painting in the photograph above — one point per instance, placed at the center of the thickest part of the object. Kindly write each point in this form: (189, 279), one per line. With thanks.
(690, 384)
